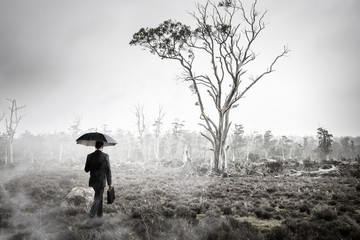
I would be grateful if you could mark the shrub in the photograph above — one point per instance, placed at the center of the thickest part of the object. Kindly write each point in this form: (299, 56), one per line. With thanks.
(355, 234)
(271, 190)
(263, 214)
(253, 157)
(226, 229)
(304, 208)
(168, 212)
(308, 163)
(227, 210)
(325, 213)
(356, 172)
(274, 167)
(279, 233)
(184, 212)
(213, 213)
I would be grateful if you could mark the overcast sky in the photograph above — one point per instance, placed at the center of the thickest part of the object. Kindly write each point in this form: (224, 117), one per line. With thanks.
(67, 58)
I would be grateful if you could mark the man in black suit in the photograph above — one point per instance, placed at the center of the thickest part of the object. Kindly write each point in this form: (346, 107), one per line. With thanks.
(99, 166)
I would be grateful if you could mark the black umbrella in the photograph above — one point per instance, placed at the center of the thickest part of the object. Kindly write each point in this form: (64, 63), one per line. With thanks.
(89, 139)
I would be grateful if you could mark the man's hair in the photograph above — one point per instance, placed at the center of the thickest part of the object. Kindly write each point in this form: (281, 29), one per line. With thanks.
(99, 144)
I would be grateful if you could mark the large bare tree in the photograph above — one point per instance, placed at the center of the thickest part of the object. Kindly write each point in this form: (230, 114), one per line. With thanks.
(225, 33)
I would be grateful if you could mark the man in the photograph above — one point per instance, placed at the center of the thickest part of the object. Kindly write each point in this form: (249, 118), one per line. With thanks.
(99, 166)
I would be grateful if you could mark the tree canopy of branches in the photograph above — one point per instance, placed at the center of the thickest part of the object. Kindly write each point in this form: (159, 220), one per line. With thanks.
(225, 34)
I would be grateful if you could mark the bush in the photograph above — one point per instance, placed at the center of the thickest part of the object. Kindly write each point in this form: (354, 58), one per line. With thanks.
(227, 210)
(226, 229)
(184, 212)
(253, 157)
(279, 233)
(325, 213)
(308, 163)
(263, 214)
(304, 208)
(274, 167)
(356, 171)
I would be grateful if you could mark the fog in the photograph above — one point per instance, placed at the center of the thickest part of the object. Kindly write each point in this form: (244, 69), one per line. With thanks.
(55, 57)
(71, 70)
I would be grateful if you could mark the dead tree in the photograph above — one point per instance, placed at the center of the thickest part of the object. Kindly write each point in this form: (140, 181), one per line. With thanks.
(140, 126)
(2, 136)
(157, 131)
(11, 125)
(75, 128)
(225, 36)
(75, 132)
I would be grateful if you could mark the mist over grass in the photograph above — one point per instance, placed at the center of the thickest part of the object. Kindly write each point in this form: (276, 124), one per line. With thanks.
(155, 201)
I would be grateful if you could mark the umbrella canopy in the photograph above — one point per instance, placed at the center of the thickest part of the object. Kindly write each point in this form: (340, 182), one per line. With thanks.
(89, 139)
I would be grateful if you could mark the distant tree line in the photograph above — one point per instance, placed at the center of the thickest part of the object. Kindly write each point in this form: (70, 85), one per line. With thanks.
(152, 144)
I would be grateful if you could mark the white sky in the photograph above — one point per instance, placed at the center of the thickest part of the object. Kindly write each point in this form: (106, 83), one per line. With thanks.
(63, 58)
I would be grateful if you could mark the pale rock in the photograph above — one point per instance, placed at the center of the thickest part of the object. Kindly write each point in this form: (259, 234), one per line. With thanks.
(80, 197)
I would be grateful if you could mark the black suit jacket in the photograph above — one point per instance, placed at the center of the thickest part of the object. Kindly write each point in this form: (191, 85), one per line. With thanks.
(99, 166)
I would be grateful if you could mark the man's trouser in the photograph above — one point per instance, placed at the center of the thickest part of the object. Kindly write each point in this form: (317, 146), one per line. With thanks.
(97, 206)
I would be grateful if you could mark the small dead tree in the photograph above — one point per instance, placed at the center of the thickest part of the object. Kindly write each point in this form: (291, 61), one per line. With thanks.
(157, 131)
(75, 132)
(11, 125)
(105, 128)
(140, 120)
(2, 136)
(140, 126)
(2, 117)
(225, 34)
(75, 127)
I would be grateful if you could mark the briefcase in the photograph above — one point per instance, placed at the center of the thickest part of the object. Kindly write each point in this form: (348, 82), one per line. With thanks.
(110, 195)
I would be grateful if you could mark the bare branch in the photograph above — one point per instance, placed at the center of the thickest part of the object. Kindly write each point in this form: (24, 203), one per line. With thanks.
(14, 119)
(255, 80)
(208, 138)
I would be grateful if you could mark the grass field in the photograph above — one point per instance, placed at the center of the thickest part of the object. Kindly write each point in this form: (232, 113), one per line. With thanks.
(157, 202)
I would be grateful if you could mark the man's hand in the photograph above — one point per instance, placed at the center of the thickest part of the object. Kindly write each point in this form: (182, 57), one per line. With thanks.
(110, 186)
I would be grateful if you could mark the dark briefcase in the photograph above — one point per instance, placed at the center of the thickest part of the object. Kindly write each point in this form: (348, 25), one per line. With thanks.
(110, 195)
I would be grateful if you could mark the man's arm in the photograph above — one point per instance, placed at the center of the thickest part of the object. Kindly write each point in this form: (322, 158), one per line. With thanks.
(108, 171)
(87, 164)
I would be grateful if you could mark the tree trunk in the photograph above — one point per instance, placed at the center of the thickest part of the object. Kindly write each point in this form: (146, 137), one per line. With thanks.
(224, 159)
(219, 156)
(129, 153)
(11, 152)
(283, 152)
(61, 152)
(216, 161)
(156, 148)
(184, 156)
(220, 141)
(211, 164)
(6, 156)
(247, 152)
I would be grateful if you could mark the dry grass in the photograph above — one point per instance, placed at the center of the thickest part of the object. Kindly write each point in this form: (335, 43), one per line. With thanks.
(155, 202)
